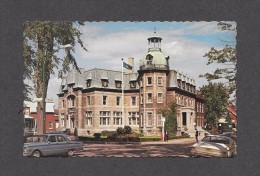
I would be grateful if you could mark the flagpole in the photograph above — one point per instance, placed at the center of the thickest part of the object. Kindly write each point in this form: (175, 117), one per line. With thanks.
(122, 92)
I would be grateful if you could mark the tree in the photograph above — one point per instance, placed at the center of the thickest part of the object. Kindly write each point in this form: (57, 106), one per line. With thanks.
(41, 43)
(216, 96)
(170, 114)
(226, 57)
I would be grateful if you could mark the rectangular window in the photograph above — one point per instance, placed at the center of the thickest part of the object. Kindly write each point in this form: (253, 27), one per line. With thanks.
(62, 104)
(149, 80)
(89, 118)
(50, 125)
(184, 119)
(159, 119)
(88, 100)
(117, 118)
(118, 84)
(149, 97)
(104, 82)
(62, 120)
(132, 84)
(104, 117)
(133, 118)
(117, 101)
(104, 100)
(160, 81)
(133, 101)
(88, 82)
(160, 98)
(149, 118)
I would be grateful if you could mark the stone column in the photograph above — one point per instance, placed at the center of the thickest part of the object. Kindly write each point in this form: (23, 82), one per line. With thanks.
(79, 107)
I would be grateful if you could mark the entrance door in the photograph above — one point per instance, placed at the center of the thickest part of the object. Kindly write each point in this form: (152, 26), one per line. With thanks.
(184, 119)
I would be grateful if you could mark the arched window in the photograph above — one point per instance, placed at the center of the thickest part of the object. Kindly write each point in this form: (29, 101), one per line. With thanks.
(149, 59)
(71, 101)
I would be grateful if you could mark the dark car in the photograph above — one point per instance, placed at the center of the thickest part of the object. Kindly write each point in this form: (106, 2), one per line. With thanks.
(50, 145)
(231, 135)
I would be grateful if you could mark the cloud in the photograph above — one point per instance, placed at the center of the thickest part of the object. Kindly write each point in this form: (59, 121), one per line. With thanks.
(106, 48)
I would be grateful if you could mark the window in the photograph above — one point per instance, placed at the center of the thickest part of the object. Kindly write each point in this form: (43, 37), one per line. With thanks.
(118, 84)
(88, 82)
(104, 82)
(133, 118)
(159, 119)
(117, 118)
(61, 139)
(141, 82)
(149, 97)
(62, 119)
(88, 100)
(62, 103)
(132, 84)
(57, 124)
(52, 139)
(184, 119)
(149, 80)
(141, 99)
(50, 125)
(179, 83)
(104, 100)
(117, 101)
(133, 101)
(104, 117)
(160, 81)
(160, 98)
(149, 118)
(71, 101)
(89, 118)
(149, 59)
(183, 85)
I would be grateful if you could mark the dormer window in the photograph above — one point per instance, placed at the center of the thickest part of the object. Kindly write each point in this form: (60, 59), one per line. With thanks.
(89, 82)
(118, 84)
(132, 84)
(149, 59)
(104, 82)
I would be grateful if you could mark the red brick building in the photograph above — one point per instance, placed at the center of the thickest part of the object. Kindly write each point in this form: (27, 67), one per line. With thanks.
(31, 115)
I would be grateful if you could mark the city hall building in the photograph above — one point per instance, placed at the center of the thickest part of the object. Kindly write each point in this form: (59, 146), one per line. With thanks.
(91, 100)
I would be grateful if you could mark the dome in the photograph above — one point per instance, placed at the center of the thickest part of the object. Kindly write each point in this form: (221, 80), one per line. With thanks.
(158, 58)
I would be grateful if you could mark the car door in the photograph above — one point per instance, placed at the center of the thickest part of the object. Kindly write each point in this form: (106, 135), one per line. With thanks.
(63, 144)
(52, 148)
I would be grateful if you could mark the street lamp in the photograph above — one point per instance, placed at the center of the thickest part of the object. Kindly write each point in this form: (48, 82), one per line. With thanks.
(67, 47)
(163, 121)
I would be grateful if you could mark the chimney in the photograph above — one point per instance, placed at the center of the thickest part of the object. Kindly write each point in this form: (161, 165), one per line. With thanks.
(131, 63)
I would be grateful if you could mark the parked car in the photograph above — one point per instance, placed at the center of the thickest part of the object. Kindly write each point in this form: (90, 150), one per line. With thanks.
(50, 145)
(231, 135)
(215, 146)
(70, 137)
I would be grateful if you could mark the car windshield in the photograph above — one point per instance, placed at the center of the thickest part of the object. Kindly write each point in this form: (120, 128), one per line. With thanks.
(216, 139)
(42, 138)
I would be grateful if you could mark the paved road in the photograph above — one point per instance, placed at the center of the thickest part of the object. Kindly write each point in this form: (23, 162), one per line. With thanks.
(174, 148)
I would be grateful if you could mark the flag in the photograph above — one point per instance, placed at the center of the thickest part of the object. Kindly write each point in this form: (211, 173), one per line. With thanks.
(129, 67)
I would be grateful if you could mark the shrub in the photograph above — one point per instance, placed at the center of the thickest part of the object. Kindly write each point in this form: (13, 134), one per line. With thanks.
(127, 129)
(120, 130)
(97, 135)
(107, 133)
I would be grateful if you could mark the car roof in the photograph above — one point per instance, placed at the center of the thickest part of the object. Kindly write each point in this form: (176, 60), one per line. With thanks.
(218, 136)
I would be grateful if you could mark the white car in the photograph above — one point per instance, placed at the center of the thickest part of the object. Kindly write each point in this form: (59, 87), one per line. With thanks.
(215, 146)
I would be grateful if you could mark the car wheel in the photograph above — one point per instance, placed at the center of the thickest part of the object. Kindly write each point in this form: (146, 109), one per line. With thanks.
(70, 153)
(36, 154)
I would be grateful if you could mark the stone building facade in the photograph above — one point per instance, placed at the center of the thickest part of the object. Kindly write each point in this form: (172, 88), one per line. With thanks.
(92, 100)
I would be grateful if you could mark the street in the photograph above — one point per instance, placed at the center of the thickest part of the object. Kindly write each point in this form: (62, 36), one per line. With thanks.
(172, 148)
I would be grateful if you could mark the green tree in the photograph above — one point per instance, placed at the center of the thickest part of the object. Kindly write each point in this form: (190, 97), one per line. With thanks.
(216, 96)
(226, 57)
(41, 42)
(170, 114)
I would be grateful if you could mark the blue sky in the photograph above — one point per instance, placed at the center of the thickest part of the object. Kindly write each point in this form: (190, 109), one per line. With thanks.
(184, 42)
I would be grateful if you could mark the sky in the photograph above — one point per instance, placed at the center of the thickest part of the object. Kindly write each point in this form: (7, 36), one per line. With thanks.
(184, 42)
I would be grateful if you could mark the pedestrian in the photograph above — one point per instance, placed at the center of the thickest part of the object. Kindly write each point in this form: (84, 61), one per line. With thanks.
(166, 136)
(196, 135)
